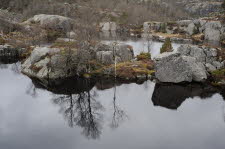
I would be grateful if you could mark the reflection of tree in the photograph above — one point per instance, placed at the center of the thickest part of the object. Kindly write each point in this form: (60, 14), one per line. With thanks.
(16, 68)
(82, 110)
(118, 115)
(31, 90)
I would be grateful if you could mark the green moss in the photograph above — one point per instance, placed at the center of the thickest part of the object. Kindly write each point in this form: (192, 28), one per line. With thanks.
(143, 56)
(220, 72)
(167, 46)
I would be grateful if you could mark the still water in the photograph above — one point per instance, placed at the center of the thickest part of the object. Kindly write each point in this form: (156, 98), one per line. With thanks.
(85, 114)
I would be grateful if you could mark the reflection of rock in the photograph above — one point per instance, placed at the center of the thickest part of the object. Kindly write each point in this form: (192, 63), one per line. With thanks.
(172, 96)
(67, 86)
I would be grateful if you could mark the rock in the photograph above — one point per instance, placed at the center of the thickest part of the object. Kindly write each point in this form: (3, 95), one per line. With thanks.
(213, 31)
(193, 51)
(54, 22)
(108, 26)
(105, 53)
(48, 63)
(105, 57)
(174, 67)
(217, 64)
(170, 67)
(152, 26)
(191, 28)
(210, 67)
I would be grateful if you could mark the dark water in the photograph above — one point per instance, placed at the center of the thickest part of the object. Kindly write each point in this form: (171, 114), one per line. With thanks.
(82, 114)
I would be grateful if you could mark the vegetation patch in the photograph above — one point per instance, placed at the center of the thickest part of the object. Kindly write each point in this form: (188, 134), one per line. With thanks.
(218, 76)
(2, 41)
(143, 56)
(126, 70)
(167, 46)
(64, 44)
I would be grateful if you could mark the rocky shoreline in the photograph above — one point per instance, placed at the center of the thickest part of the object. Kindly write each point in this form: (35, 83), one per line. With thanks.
(63, 59)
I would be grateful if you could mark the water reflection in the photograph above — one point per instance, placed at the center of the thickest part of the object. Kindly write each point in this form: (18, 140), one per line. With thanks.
(171, 96)
(82, 110)
(96, 108)
(77, 101)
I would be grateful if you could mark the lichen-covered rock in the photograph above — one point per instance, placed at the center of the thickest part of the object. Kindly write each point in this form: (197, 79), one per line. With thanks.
(54, 22)
(188, 63)
(175, 68)
(49, 63)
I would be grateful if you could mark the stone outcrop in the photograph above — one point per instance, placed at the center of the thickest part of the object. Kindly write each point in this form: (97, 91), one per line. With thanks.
(187, 64)
(54, 22)
(105, 53)
(108, 26)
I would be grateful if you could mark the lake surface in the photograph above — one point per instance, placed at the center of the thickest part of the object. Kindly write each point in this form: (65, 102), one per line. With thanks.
(142, 45)
(85, 114)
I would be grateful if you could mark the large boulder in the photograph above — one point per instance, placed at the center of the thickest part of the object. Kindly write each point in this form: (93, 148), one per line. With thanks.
(49, 63)
(174, 67)
(54, 22)
(188, 63)
(122, 52)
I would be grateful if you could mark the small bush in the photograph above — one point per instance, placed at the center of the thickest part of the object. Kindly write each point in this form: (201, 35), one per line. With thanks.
(167, 46)
(143, 56)
(2, 41)
(52, 35)
(163, 28)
